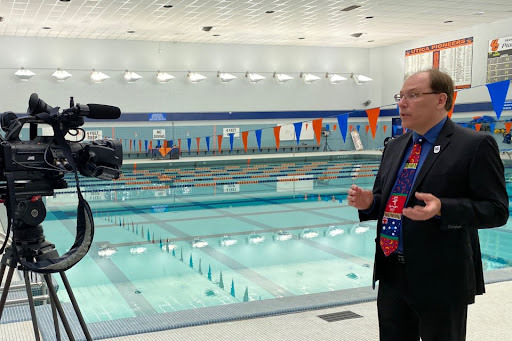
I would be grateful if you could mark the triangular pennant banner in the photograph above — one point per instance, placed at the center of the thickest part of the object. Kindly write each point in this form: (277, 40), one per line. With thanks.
(258, 138)
(373, 116)
(298, 129)
(189, 143)
(277, 130)
(367, 128)
(343, 121)
(358, 127)
(384, 128)
(219, 142)
(231, 135)
(508, 125)
(334, 126)
(492, 125)
(317, 128)
(478, 126)
(207, 138)
(244, 139)
(198, 139)
(498, 92)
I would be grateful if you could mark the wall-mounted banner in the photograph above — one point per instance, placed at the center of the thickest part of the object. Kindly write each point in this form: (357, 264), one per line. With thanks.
(157, 117)
(499, 60)
(234, 131)
(453, 57)
(92, 135)
(158, 134)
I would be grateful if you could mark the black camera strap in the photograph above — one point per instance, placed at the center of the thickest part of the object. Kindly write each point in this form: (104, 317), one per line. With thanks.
(85, 222)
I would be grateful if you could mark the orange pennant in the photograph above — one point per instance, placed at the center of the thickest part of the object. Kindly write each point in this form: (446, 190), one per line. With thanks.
(244, 139)
(350, 127)
(277, 129)
(334, 127)
(130, 144)
(219, 140)
(373, 116)
(367, 127)
(140, 145)
(384, 128)
(478, 126)
(317, 128)
(508, 125)
(453, 104)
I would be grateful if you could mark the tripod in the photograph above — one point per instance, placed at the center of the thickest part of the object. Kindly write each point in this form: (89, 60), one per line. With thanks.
(326, 145)
(30, 245)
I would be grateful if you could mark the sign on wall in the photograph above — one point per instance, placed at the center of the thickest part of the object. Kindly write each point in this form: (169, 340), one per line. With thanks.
(158, 134)
(234, 131)
(93, 135)
(453, 57)
(499, 60)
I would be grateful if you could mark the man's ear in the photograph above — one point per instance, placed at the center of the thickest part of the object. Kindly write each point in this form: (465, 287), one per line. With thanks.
(442, 100)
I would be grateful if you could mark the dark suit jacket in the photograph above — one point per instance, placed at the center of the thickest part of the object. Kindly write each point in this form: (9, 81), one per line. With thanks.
(443, 260)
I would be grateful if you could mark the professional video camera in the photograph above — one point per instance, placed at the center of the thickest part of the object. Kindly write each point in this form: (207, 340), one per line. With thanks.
(33, 168)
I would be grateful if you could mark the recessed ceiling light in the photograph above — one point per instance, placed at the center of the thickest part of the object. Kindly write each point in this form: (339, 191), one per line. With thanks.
(216, 35)
(301, 38)
(46, 28)
(130, 31)
(269, 12)
(167, 6)
(350, 8)
(448, 21)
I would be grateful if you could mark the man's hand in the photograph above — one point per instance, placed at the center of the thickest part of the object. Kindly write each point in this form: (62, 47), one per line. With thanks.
(432, 207)
(360, 198)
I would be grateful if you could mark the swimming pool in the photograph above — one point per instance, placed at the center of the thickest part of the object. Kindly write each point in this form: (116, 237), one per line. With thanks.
(179, 239)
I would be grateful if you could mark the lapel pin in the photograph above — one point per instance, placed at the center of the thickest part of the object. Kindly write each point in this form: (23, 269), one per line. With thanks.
(437, 149)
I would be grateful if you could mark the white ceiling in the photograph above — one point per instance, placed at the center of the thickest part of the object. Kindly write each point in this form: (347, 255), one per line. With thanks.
(318, 22)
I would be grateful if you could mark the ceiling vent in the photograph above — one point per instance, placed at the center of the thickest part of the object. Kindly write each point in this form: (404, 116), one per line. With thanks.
(350, 8)
(357, 35)
(207, 28)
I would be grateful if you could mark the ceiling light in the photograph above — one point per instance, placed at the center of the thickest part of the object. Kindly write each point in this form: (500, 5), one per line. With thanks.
(131, 76)
(98, 77)
(309, 77)
(282, 78)
(334, 78)
(46, 28)
(360, 78)
(254, 77)
(163, 77)
(24, 74)
(195, 77)
(225, 77)
(61, 75)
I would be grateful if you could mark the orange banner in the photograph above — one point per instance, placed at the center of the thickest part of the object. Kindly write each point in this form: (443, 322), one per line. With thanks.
(508, 125)
(334, 127)
(198, 139)
(367, 127)
(478, 126)
(219, 140)
(140, 145)
(350, 127)
(451, 110)
(130, 144)
(244, 139)
(384, 128)
(317, 128)
(164, 150)
(373, 116)
(277, 129)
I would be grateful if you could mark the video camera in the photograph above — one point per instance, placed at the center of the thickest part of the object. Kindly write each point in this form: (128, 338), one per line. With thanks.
(33, 168)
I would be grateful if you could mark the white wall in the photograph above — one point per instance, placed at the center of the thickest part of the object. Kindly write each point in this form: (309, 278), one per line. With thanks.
(387, 63)
(80, 56)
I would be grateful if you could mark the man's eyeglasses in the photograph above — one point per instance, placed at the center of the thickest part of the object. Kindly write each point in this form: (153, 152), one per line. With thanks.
(413, 95)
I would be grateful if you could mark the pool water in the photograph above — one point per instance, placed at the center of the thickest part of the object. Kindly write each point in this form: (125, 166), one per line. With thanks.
(164, 239)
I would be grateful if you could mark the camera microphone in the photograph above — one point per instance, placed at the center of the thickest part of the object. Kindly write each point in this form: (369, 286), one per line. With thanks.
(98, 111)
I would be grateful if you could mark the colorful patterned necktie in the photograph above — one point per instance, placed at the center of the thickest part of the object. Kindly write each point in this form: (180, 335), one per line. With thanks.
(392, 220)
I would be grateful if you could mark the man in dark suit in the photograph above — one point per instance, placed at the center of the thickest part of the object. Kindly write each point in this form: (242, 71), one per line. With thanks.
(427, 259)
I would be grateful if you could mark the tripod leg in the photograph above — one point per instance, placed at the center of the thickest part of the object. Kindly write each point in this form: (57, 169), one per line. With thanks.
(6, 288)
(55, 300)
(55, 320)
(31, 304)
(2, 271)
(75, 306)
